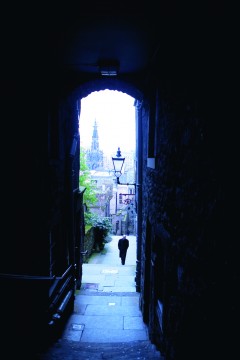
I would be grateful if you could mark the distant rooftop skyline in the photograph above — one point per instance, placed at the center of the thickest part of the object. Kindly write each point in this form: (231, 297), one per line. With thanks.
(114, 113)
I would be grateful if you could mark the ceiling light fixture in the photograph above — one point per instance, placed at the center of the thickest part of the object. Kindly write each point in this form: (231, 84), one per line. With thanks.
(108, 68)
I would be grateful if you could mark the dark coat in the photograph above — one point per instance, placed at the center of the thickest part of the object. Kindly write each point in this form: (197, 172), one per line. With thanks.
(123, 245)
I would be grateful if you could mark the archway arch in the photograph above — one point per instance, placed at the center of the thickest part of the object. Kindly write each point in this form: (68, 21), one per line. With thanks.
(88, 87)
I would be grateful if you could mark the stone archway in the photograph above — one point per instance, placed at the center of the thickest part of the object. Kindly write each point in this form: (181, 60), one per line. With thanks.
(85, 89)
(88, 87)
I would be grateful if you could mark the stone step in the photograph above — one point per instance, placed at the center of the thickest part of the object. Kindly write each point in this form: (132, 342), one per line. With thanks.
(67, 350)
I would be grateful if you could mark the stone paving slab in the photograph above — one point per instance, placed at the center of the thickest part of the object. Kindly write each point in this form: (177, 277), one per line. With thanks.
(92, 309)
(133, 323)
(108, 335)
(97, 322)
(130, 300)
(92, 278)
(109, 281)
(89, 299)
(76, 350)
(118, 289)
(125, 281)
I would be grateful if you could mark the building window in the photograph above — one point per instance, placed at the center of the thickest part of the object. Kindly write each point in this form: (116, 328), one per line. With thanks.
(120, 199)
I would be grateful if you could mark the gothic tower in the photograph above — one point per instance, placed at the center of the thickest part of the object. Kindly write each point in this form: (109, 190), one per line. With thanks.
(94, 156)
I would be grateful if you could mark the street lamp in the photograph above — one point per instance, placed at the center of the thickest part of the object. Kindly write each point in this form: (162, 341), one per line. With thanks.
(118, 162)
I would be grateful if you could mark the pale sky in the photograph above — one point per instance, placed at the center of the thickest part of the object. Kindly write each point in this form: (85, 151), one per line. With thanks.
(114, 113)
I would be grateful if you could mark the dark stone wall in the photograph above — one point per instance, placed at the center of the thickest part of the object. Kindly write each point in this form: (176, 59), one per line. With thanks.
(63, 175)
(89, 242)
(185, 223)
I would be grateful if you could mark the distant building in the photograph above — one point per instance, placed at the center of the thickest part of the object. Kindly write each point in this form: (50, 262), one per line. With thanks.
(123, 209)
(114, 201)
(94, 156)
(104, 184)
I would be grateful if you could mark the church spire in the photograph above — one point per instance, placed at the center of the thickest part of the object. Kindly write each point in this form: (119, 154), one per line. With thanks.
(95, 140)
(95, 156)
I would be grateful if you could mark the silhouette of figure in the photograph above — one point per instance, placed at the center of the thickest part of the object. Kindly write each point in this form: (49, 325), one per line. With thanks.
(123, 245)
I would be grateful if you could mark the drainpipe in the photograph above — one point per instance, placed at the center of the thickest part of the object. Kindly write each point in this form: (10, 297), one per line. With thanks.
(71, 215)
(138, 106)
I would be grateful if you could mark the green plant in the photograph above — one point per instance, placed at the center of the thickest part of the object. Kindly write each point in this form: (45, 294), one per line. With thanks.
(102, 226)
(89, 218)
(89, 195)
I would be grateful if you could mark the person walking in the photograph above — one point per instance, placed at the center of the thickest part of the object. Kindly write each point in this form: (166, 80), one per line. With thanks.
(123, 245)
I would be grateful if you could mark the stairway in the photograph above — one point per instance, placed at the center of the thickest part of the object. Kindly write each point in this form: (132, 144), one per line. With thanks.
(71, 350)
(106, 322)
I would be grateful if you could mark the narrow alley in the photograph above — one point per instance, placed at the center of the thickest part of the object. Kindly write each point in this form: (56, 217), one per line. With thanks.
(107, 322)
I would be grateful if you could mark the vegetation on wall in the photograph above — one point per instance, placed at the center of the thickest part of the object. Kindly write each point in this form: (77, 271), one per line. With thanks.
(89, 196)
(102, 226)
